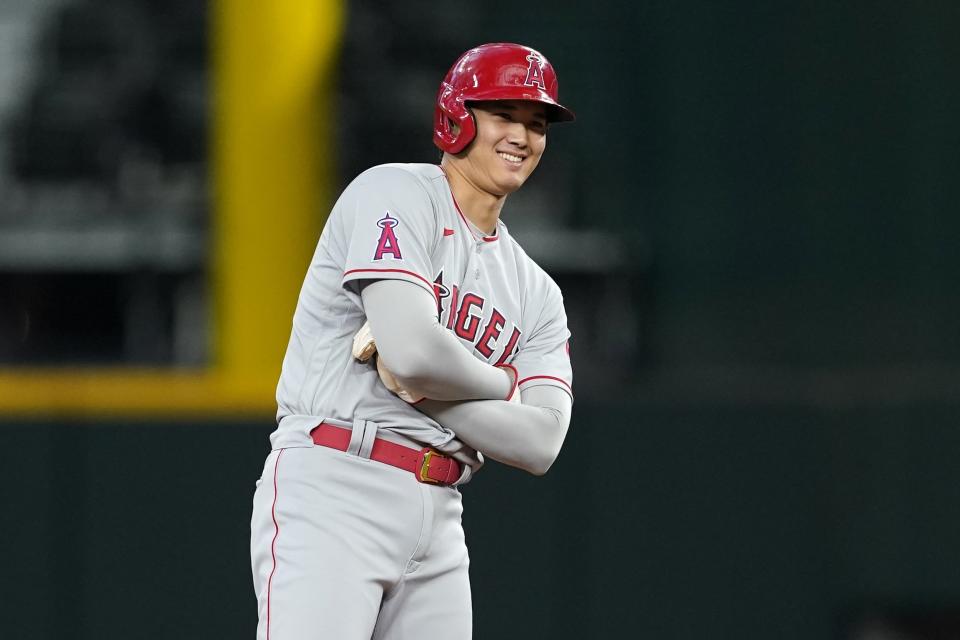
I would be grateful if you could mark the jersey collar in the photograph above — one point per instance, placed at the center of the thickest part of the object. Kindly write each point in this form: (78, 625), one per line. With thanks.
(478, 235)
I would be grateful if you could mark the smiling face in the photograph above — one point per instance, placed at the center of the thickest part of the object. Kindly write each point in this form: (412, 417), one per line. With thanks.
(511, 137)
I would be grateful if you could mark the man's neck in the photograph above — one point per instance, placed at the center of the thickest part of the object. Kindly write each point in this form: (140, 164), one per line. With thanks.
(478, 206)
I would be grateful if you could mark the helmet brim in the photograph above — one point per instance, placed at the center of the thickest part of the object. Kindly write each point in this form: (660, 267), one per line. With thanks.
(556, 112)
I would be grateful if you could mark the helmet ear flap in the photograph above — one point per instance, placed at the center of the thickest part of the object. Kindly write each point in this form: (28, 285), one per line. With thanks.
(468, 131)
(450, 109)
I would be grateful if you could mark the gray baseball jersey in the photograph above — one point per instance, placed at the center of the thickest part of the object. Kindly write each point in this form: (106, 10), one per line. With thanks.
(400, 221)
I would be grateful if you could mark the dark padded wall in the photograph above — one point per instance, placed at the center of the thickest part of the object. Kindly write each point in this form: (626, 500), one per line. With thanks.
(667, 523)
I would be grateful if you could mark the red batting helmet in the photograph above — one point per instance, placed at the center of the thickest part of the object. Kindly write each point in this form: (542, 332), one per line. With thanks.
(497, 71)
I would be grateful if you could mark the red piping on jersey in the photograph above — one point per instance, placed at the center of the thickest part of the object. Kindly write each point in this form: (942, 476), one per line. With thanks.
(409, 273)
(486, 238)
(276, 534)
(560, 380)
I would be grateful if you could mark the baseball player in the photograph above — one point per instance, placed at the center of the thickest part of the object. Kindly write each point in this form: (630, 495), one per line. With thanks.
(424, 339)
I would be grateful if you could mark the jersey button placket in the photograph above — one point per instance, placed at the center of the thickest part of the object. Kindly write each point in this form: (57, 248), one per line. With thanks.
(476, 272)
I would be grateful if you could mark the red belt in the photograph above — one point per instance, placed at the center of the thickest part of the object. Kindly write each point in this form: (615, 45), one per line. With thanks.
(426, 464)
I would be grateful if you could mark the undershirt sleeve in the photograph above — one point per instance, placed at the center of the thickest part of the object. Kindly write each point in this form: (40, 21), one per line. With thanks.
(428, 359)
(527, 436)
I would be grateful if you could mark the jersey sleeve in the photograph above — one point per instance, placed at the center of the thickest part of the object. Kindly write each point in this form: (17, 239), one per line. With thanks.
(390, 226)
(544, 358)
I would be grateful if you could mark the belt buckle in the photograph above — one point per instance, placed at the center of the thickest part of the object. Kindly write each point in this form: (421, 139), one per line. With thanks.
(423, 466)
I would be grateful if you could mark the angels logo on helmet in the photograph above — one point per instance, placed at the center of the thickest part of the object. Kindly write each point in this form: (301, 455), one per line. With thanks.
(535, 72)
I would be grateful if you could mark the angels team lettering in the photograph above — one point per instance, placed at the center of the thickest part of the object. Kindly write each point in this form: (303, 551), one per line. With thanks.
(465, 314)
(387, 244)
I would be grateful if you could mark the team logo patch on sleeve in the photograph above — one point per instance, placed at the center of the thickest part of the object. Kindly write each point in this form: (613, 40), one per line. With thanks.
(387, 244)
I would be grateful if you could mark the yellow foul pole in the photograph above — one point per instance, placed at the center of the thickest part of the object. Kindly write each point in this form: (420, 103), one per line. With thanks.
(272, 175)
(272, 167)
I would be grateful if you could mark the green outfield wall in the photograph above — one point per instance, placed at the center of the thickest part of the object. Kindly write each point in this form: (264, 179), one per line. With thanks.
(656, 523)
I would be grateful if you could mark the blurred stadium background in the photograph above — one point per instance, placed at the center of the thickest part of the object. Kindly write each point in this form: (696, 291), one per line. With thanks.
(755, 224)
